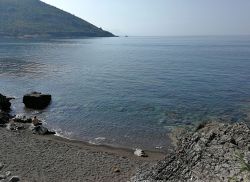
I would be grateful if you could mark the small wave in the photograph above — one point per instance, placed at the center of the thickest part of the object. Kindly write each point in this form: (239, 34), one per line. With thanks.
(63, 134)
(97, 141)
(159, 147)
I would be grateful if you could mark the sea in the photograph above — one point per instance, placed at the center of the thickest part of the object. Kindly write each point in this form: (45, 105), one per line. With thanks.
(129, 91)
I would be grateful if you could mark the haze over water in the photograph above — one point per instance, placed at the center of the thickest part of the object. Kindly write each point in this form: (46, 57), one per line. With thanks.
(130, 91)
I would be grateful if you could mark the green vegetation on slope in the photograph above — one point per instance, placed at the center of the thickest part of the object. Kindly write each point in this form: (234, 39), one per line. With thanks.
(35, 18)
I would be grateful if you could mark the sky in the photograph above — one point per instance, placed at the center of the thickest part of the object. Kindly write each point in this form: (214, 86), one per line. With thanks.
(163, 17)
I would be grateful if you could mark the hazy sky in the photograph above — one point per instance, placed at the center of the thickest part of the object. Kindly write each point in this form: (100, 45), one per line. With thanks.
(163, 17)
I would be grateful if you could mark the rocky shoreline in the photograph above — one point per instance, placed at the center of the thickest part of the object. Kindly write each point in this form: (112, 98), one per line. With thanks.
(34, 100)
(213, 152)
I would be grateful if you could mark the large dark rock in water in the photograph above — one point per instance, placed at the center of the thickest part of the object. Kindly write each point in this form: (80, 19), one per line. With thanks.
(4, 103)
(36, 100)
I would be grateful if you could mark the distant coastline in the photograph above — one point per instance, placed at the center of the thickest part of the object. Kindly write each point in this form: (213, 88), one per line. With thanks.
(34, 18)
(58, 35)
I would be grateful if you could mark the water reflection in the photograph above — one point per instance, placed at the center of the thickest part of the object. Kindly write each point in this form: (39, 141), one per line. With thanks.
(22, 68)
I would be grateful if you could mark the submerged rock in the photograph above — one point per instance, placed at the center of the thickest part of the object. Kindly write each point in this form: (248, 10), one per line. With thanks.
(36, 100)
(214, 152)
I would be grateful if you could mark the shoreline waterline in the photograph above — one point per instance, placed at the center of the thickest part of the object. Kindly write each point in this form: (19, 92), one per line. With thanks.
(100, 142)
(152, 154)
(49, 158)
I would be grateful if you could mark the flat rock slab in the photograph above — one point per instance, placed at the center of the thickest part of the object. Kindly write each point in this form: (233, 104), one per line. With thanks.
(36, 100)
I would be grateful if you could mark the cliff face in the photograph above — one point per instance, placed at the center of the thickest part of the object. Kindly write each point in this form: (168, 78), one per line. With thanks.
(35, 18)
(214, 152)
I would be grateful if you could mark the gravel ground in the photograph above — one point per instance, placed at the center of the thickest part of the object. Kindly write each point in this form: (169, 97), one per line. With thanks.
(51, 158)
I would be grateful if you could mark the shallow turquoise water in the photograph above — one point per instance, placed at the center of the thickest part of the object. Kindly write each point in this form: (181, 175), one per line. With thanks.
(130, 91)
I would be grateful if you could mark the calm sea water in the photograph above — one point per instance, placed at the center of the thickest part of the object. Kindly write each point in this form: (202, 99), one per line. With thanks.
(130, 91)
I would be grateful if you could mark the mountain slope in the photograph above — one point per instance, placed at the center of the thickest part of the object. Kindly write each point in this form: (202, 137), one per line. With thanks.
(35, 18)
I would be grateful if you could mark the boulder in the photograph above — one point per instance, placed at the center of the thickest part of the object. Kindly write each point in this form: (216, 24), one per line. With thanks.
(36, 100)
(4, 118)
(140, 153)
(4, 103)
(41, 130)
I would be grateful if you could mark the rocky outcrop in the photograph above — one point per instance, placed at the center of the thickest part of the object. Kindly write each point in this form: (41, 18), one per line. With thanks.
(36, 100)
(4, 103)
(214, 152)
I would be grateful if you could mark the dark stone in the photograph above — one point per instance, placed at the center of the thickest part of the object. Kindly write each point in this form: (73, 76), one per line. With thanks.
(201, 125)
(211, 137)
(22, 119)
(5, 103)
(36, 100)
(232, 140)
(4, 118)
(14, 179)
(2, 177)
(116, 170)
(41, 130)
